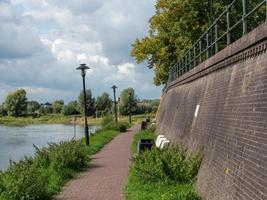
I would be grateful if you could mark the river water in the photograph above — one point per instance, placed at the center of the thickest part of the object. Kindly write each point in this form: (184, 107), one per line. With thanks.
(17, 141)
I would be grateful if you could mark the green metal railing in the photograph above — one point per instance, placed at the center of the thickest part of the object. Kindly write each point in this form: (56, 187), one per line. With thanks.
(217, 38)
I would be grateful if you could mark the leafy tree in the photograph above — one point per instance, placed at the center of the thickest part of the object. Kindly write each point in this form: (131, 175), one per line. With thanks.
(32, 106)
(46, 108)
(127, 101)
(70, 108)
(176, 25)
(3, 111)
(90, 104)
(16, 103)
(103, 103)
(57, 106)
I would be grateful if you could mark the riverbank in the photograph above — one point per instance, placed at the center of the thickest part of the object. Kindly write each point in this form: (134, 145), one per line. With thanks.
(42, 176)
(62, 119)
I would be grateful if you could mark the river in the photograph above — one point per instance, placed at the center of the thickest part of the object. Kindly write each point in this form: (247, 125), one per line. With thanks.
(17, 141)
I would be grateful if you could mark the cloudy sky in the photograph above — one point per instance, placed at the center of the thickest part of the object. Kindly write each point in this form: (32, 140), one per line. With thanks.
(43, 41)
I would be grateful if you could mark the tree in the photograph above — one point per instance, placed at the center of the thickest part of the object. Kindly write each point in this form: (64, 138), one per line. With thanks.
(176, 25)
(46, 108)
(57, 106)
(32, 106)
(126, 101)
(103, 103)
(70, 108)
(16, 103)
(90, 104)
(3, 111)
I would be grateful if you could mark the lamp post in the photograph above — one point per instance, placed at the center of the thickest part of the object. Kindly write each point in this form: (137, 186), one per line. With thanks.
(130, 107)
(114, 87)
(96, 110)
(83, 69)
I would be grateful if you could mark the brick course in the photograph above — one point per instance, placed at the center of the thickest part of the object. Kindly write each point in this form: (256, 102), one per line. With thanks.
(232, 120)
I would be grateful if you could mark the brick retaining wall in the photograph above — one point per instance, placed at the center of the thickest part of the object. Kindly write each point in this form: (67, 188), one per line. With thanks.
(231, 124)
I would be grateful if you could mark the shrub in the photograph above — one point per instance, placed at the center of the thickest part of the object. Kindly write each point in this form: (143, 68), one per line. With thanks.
(168, 165)
(23, 180)
(42, 176)
(108, 122)
(65, 155)
(152, 127)
(123, 126)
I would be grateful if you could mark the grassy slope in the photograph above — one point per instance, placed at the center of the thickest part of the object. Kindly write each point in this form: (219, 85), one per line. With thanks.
(137, 190)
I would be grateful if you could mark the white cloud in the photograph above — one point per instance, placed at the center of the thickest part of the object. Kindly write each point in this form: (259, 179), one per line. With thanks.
(43, 41)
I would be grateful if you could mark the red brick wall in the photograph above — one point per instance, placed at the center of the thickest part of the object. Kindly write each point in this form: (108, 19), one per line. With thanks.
(231, 123)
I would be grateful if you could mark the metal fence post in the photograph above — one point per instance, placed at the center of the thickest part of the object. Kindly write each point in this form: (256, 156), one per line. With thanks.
(207, 41)
(190, 60)
(244, 17)
(195, 62)
(228, 25)
(216, 37)
(200, 51)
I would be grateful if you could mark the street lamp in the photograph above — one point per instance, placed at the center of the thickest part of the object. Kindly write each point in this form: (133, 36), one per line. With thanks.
(130, 108)
(114, 87)
(83, 69)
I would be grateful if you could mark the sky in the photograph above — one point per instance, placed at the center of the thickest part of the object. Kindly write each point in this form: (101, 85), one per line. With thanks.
(43, 41)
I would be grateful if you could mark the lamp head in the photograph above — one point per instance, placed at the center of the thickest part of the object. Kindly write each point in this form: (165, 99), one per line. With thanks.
(83, 68)
(114, 87)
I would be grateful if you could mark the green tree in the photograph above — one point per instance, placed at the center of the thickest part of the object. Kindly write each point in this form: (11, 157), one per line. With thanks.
(57, 106)
(176, 25)
(127, 100)
(16, 103)
(46, 108)
(70, 108)
(103, 103)
(90, 104)
(3, 111)
(32, 106)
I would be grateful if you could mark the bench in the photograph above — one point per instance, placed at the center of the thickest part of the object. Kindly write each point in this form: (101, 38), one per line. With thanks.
(161, 141)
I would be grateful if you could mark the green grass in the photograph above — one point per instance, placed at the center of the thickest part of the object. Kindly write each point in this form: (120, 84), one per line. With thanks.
(43, 176)
(143, 189)
(136, 190)
(44, 119)
(62, 119)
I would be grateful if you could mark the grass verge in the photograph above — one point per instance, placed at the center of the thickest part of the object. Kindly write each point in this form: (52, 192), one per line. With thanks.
(62, 119)
(166, 174)
(44, 119)
(42, 176)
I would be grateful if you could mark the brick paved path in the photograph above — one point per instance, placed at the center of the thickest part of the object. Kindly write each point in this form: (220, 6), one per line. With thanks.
(107, 174)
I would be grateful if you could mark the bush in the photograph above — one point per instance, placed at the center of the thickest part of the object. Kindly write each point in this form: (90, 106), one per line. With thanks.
(23, 180)
(107, 120)
(168, 165)
(122, 127)
(42, 176)
(109, 123)
(65, 155)
(39, 177)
